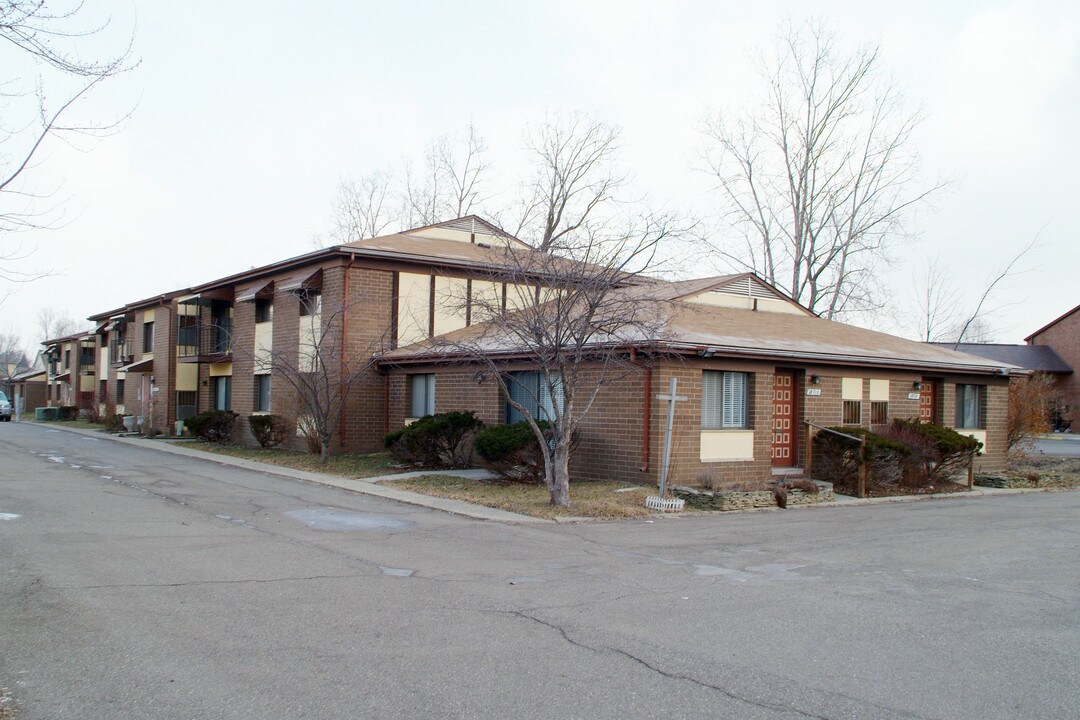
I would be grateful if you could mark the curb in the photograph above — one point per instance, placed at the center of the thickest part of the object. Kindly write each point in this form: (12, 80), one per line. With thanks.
(366, 486)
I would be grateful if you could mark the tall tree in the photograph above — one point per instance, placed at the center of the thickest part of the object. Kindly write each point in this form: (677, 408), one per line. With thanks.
(53, 323)
(574, 177)
(820, 182)
(45, 41)
(571, 317)
(452, 182)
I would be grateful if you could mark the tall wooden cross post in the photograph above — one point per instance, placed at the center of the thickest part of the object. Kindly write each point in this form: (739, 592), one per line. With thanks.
(672, 398)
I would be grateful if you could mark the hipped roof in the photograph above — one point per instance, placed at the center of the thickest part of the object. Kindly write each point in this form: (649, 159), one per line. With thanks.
(1037, 358)
(732, 332)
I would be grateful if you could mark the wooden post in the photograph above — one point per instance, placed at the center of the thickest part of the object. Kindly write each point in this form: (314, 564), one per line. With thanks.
(971, 471)
(809, 451)
(862, 467)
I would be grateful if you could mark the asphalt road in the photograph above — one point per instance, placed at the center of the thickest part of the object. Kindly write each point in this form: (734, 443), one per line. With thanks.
(135, 584)
(1061, 445)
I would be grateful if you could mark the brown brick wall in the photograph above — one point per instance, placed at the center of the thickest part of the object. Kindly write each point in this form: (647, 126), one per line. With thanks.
(1064, 338)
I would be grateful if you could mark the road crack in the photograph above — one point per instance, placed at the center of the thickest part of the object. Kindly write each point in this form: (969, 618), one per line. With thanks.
(191, 583)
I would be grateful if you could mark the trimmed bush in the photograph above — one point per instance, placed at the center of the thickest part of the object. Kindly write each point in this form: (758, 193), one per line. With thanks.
(212, 426)
(114, 423)
(441, 440)
(268, 430)
(836, 458)
(512, 451)
(68, 412)
(937, 452)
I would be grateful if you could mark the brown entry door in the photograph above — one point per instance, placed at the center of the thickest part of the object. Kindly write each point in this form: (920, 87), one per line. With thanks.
(928, 402)
(783, 439)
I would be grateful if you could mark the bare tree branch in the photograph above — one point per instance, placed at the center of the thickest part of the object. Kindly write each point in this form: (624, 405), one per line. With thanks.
(818, 184)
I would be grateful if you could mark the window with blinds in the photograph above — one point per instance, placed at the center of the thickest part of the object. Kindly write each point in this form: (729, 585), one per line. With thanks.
(724, 400)
(536, 393)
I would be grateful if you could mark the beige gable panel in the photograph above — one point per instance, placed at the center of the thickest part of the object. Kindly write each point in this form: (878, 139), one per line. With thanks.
(221, 369)
(450, 300)
(413, 307)
(86, 383)
(103, 363)
(486, 299)
(310, 327)
(879, 390)
(723, 299)
(264, 346)
(851, 388)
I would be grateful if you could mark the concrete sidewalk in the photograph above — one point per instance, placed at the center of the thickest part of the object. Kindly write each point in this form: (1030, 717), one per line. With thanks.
(370, 486)
(365, 486)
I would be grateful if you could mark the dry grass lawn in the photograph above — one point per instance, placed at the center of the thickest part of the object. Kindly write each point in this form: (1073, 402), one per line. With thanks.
(348, 466)
(588, 499)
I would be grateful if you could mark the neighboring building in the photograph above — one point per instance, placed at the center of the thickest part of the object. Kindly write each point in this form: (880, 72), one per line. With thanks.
(1063, 336)
(755, 368)
(28, 386)
(72, 365)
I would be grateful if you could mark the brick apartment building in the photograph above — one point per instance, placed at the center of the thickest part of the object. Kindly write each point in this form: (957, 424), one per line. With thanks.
(71, 367)
(1062, 336)
(753, 364)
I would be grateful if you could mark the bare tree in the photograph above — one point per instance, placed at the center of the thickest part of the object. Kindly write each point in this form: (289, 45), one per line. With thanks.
(937, 299)
(572, 317)
(976, 320)
(13, 356)
(318, 370)
(574, 177)
(52, 323)
(362, 209)
(821, 181)
(32, 116)
(452, 182)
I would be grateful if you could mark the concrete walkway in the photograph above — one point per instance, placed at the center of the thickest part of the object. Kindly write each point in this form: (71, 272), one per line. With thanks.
(365, 486)
(370, 486)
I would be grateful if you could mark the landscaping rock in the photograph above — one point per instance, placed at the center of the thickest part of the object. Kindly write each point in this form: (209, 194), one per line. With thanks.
(700, 499)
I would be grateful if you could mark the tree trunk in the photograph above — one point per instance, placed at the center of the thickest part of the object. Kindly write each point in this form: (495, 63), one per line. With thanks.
(560, 486)
(324, 450)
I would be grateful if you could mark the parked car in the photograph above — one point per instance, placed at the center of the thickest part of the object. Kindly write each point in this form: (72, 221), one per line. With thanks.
(5, 408)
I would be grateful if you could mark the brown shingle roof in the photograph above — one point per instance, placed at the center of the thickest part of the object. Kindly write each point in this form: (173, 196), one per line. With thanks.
(736, 332)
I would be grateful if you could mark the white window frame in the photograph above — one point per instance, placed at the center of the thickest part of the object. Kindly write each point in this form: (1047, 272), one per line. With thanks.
(421, 395)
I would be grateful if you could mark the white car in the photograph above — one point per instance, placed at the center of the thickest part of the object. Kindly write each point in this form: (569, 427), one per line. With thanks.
(5, 408)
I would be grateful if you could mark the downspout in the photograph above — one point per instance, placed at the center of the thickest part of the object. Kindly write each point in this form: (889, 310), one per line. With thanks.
(646, 410)
(344, 338)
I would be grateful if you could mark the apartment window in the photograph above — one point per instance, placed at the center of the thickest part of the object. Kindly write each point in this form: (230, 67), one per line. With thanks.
(103, 391)
(264, 311)
(119, 392)
(969, 406)
(262, 393)
(222, 389)
(221, 316)
(86, 355)
(537, 393)
(852, 412)
(879, 412)
(310, 302)
(186, 401)
(67, 359)
(187, 335)
(724, 400)
(422, 395)
(148, 337)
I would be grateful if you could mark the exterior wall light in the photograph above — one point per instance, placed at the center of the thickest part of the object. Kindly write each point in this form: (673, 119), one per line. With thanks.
(916, 385)
(815, 379)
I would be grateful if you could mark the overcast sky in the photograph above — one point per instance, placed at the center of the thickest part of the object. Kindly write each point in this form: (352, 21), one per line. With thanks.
(246, 114)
